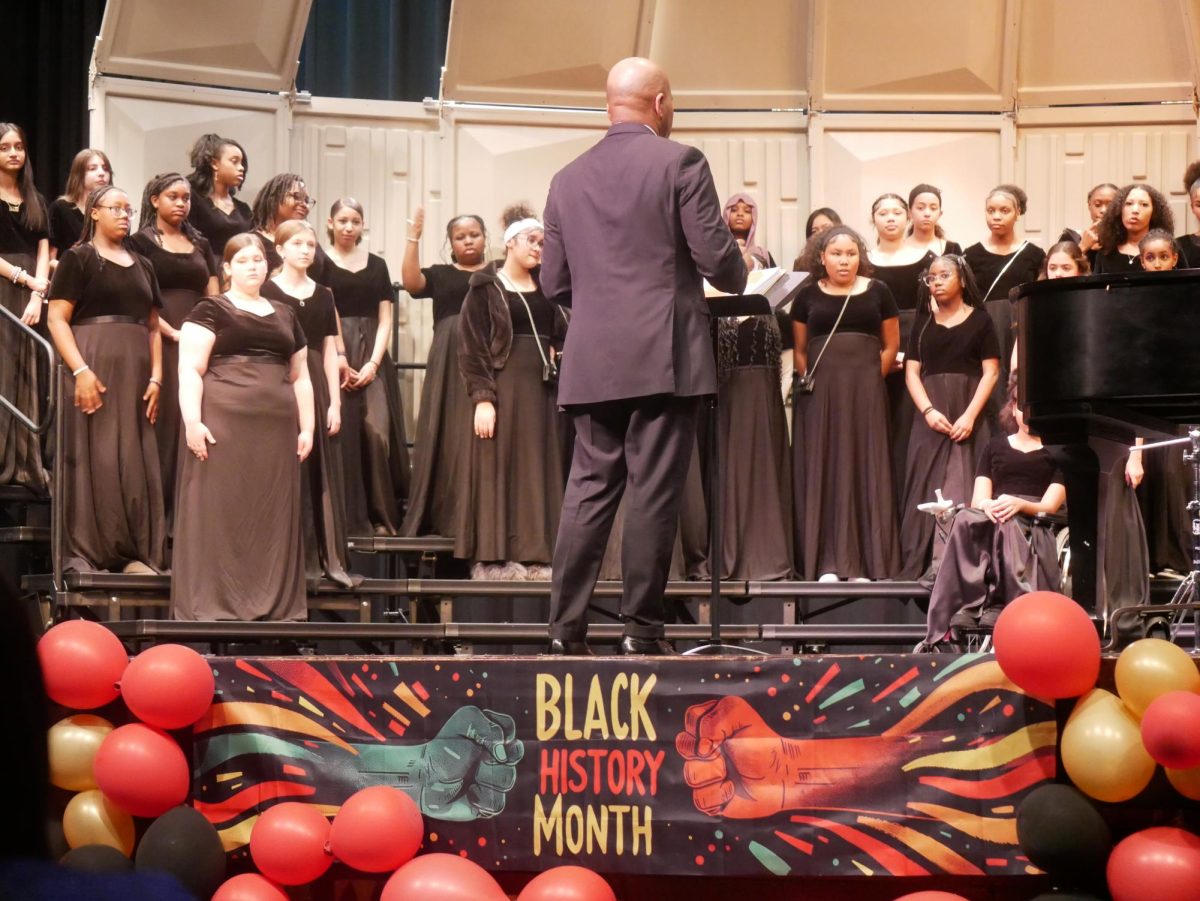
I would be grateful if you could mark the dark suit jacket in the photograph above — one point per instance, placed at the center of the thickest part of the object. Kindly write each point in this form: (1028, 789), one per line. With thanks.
(632, 227)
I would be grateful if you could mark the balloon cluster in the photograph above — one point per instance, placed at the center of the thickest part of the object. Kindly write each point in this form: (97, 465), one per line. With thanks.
(1111, 746)
(134, 770)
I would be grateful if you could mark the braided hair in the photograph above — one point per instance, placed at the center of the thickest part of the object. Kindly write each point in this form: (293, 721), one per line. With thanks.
(89, 224)
(270, 198)
(149, 217)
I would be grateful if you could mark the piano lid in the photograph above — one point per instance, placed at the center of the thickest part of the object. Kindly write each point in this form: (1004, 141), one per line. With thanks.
(1110, 353)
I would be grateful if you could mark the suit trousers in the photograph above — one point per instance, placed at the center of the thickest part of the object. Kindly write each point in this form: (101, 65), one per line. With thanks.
(639, 447)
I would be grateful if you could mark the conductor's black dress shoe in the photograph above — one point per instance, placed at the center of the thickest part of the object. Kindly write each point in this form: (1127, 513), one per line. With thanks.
(645, 646)
(564, 647)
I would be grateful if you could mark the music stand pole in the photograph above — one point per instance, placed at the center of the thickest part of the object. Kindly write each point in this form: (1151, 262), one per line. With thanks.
(727, 306)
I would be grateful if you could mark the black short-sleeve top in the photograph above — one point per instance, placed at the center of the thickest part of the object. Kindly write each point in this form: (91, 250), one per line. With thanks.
(1024, 265)
(1016, 472)
(958, 348)
(100, 287)
(66, 225)
(15, 235)
(217, 225)
(1189, 252)
(865, 312)
(359, 293)
(177, 271)
(902, 280)
(315, 312)
(240, 333)
(447, 285)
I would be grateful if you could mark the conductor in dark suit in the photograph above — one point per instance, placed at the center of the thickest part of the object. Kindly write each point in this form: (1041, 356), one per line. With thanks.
(632, 227)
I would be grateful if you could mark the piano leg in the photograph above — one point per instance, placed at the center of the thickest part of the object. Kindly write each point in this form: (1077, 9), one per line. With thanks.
(1081, 472)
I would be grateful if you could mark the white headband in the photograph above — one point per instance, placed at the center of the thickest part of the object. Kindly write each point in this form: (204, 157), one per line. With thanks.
(520, 226)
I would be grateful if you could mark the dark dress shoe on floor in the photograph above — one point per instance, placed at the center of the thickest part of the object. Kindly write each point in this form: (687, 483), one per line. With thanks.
(562, 647)
(644, 646)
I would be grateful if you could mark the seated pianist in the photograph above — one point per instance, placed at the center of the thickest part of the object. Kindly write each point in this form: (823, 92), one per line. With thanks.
(996, 550)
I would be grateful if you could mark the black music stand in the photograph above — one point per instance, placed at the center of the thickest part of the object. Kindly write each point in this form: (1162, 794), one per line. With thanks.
(723, 307)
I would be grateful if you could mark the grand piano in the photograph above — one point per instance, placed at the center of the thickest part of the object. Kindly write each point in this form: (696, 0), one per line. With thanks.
(1106, 356)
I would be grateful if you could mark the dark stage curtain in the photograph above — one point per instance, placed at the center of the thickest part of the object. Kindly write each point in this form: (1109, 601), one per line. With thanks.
(374, 49)
(47, 48)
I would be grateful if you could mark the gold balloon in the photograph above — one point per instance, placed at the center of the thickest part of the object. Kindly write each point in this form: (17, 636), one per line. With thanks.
(1152, 667)
(73, 743)
(1186, 782)
(92, 819)
(1102, 749)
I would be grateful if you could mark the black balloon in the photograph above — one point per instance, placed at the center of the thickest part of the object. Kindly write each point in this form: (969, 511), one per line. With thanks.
(1061, 832)
(185, 844)
(99, 859)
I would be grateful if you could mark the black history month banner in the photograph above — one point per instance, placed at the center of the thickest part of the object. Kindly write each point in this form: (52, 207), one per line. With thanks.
(873, 765)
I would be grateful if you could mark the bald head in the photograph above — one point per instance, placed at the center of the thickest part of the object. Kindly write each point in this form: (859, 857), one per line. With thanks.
(639, 91)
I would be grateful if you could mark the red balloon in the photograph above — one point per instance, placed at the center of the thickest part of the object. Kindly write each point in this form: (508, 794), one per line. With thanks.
(442, 877)
(142, 770)
(168, 686)
(249, 887)
(81, 664)
(920, 896)
(377, 830)
(1047, 645)
(290, 843)
(568, 884)
(1171, 729)
(1163, 859)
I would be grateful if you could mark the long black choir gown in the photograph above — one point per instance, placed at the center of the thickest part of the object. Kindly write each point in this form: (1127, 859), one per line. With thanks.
(845, 507)
(113, 509)
(951, 360)
(511, 484)
(445, 421)
(374, 451)
(182, 281)
(322, 475)
(239, 551)
(988, 564)
(21, 373)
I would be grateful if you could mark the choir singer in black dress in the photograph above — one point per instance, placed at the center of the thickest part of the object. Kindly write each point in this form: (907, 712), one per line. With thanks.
(952, 365)
(373, 444)
(1136, 210)
(186, 271)
(1189, 244)
(847, 334)
(247, 408)
(444, 424)
(322, 475)
(24, 266)
(89, 170)
(104, 309)
(219, 167)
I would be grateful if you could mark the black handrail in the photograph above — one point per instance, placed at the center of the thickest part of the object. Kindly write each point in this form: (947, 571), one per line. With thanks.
(36, 427)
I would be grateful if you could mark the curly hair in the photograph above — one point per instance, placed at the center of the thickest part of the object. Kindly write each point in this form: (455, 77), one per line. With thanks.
(205, 152)
(1071, 249)
(1191, 178)
(817, 246)
(270, 198)
(1111, 230)
(515, 212)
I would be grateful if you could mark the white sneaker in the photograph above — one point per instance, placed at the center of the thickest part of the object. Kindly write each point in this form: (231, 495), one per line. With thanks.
(827, 577)
(511, 572)
(860, 579)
